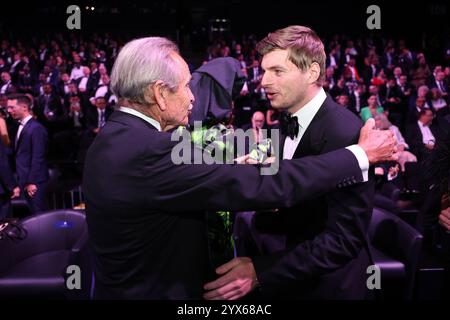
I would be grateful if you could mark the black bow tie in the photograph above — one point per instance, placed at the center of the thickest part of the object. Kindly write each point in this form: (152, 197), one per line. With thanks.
(289, 125)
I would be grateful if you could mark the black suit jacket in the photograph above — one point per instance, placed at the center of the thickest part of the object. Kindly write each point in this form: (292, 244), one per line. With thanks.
(54, 105)
(148, 238)
(30, 152)
(7, 181)
(92, 116)
(326, 253)
(414, 138)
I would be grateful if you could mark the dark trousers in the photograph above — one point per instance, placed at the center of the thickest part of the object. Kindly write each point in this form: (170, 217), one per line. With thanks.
(38, 202)
(5, 206)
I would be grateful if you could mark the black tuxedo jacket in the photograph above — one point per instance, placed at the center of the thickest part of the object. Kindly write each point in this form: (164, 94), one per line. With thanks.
(147, 234)
(326, 253)
(30, 152)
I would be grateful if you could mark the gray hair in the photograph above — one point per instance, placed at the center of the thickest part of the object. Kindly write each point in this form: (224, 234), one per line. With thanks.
(142, 62)
(385, 124)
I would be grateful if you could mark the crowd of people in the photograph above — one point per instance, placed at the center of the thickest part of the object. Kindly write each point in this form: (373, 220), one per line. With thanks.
(56, 97)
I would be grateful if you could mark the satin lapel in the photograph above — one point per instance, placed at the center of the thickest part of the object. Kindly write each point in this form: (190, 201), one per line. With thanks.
(27, 125)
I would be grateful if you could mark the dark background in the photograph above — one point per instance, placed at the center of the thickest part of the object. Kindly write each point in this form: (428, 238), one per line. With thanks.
(189, 22)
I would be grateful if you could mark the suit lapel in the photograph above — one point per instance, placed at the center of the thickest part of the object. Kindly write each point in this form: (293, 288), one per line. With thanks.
(27, 125)
(311, 143)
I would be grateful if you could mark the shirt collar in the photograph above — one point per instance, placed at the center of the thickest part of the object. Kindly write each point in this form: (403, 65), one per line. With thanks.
(133, 112)
(421, 125)
(24, 121)
(306, 114)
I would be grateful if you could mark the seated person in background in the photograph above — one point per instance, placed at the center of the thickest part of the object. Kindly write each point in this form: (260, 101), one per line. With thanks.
(423, 135)
(344, 101)
(438, 103)
(258, 123)
(372, 109)
(382, 123)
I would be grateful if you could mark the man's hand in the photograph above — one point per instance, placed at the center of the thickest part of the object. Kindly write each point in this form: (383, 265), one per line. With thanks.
(15, 193)
(31, 190)
(444, 218)
(247, 160)
(379, 145)
(238, 278)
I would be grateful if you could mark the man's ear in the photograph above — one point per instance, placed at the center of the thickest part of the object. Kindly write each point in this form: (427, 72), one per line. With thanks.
(314, 72)
(159, 93)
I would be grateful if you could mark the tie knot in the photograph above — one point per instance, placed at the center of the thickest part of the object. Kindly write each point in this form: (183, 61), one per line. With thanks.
(289, 125)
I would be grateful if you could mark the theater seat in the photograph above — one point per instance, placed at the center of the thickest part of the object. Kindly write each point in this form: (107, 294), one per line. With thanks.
(36, 266)
(395, 247)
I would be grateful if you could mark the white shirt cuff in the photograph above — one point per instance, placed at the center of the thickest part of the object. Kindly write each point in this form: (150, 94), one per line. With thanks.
(363, 161)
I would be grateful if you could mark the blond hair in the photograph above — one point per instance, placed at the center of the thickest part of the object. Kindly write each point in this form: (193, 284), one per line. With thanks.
(303, 44)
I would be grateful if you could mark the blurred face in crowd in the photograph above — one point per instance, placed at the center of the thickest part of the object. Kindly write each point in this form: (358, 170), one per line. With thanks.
(373, 90)
(258, 120)
(86, 71)
(435, 94)
(176, 104)
(421, 59)
(397, 72)
(447, 71)
(93, 66)
(437, 69)
(102, 69)
(440, 76)
(100, 103)
(72, 88)
(5, 77)
(329, 72)
(361, 89)
(427, 117)
(343, 100)
(422, 91)
(372, 101)
(287, 86)
(4, 102)
(76, 59)
(105, 79)
(420, 102)
(17, 110)
(391, 82)
(403, 80)
(47, 89)
(65, 77)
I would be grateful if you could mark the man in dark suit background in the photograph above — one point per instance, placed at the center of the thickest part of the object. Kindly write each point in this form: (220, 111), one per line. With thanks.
(321, 250)
(424, 134)
(30, 147)
(143, 207)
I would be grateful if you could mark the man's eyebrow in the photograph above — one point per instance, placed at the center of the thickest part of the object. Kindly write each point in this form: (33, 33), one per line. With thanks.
(277, 66)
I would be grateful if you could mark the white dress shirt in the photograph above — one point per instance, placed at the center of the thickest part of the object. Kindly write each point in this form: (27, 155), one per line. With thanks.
(427, 135)
(21, 126)
(150, 120)
(304, 116)
(5, 87)
(76, 73)
(83, 83)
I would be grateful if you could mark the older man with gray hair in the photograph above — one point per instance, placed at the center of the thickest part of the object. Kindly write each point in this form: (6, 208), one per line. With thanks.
(144, 213)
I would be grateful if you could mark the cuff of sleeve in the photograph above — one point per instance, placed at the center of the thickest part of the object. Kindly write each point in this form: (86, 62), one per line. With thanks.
(363, 161)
